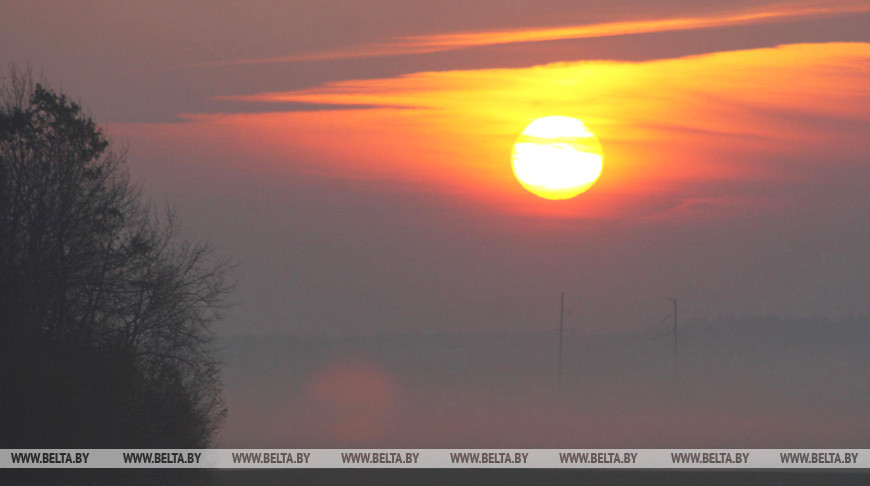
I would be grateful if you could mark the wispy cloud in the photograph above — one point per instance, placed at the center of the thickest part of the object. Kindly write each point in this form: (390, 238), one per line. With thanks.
(453, 41)
(717, 131)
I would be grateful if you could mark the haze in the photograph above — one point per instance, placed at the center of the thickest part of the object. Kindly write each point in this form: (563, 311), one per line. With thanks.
(354, 158)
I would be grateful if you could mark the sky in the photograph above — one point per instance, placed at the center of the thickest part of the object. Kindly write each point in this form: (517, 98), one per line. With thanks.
(353, 156)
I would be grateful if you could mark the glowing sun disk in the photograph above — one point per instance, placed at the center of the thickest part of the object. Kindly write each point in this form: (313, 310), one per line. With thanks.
(557, 157)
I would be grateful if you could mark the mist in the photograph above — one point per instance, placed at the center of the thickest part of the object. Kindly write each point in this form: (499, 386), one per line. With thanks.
(740, 382)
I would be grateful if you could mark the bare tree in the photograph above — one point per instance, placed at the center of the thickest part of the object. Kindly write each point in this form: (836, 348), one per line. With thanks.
(102, 305)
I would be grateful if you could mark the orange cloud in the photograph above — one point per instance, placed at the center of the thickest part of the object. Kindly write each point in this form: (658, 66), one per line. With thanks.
(687, 136)
(453, 41)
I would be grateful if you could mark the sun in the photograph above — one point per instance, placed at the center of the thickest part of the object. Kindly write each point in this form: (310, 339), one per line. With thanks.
(557, 157)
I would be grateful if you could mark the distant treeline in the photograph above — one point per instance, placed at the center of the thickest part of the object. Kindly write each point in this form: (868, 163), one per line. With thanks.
(762, 358)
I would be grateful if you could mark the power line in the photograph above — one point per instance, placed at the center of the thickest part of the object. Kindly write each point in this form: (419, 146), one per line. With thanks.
(676, 369)
(561, 331)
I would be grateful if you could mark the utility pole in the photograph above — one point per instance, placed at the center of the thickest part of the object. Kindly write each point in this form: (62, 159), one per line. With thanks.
(674, 301)
(561, 328)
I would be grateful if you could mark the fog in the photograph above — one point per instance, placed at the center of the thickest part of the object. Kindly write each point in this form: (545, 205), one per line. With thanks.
(740, 382)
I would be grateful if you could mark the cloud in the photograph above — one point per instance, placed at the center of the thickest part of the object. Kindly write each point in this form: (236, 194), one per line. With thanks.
(736, 131)
(452, 41)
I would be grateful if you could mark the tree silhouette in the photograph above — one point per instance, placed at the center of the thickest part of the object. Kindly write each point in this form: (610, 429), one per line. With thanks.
(105, 312)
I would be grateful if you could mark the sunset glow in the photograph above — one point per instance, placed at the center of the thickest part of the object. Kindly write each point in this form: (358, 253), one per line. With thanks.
(445, 42)
(557, 157)
(463, 226)
(669, 127)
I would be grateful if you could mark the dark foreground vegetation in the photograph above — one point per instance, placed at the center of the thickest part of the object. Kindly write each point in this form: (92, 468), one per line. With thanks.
(105, 313)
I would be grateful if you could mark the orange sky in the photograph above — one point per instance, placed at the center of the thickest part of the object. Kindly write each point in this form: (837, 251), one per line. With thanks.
(666, 127)
(370, 192)
(420, 44)
(354, 157)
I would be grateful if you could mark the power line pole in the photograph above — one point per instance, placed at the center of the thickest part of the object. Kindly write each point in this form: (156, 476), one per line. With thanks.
(561, 328)
(674, 301)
